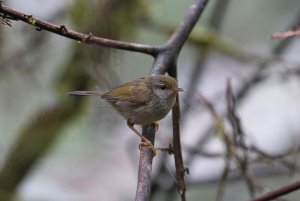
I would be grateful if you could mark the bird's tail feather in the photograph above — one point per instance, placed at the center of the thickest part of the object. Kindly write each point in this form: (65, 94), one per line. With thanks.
(85, 93)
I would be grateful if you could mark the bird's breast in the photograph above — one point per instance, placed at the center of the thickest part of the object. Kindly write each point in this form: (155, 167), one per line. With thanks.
(151, 112)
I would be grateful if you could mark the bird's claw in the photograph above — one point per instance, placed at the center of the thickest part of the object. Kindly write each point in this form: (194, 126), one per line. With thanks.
(150, 146)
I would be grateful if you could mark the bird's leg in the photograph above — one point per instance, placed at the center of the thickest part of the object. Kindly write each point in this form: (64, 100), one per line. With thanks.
(169, 149)
(145, 141)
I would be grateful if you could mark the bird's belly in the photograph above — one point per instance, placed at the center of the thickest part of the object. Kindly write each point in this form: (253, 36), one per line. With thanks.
(144, 114)
(142, 117)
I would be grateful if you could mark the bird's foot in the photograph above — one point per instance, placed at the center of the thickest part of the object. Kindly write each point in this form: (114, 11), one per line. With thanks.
(149, 145)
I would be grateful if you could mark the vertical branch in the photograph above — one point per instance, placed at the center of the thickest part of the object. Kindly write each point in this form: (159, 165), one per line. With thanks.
(238, 134)
(145, 166)
(180, 170)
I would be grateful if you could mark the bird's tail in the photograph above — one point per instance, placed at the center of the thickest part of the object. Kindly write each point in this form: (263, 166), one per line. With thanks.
(85, 93)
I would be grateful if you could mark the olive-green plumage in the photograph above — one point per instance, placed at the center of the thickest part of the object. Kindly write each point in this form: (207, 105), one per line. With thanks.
(142, 101)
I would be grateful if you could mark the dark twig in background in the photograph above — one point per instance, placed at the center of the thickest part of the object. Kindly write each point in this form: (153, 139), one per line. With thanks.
(277, 51)
(237, 149)
(257, 77)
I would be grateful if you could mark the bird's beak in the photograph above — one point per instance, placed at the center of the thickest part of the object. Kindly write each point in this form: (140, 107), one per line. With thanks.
(176, 90)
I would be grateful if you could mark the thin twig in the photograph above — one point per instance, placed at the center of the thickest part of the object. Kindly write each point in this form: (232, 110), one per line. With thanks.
(238, 132)
(278, 50)
(226, 139)
(255, 78)
(239, 141)
(180, 169)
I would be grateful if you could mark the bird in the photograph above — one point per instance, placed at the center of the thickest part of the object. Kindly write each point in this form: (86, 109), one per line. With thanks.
(142, 101)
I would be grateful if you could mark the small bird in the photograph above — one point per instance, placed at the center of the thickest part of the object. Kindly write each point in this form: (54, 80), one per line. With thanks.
(141, 101)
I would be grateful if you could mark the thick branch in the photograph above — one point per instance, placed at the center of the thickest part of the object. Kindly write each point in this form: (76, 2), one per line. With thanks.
(174, 45)
(11, 14)
(145, 166)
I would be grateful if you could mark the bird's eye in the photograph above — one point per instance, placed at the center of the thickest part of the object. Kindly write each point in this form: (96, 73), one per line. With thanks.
(163, 86)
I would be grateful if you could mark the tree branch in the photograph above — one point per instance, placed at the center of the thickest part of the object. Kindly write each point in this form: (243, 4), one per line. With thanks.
(278, 192)
(165, 61)
(10, 14)
(168, 57)
(145, 166)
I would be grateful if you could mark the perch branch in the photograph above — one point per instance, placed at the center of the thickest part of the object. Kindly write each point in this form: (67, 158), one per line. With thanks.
(145, 166)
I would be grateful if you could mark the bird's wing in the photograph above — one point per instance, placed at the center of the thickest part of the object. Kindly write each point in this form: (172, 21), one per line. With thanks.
(135, 92)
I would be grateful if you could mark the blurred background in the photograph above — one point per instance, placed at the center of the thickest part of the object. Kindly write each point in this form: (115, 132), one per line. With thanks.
(59, 148)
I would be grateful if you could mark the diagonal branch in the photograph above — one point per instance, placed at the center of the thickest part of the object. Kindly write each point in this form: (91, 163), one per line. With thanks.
(168, 58)
(278, 192)
(8, 14)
